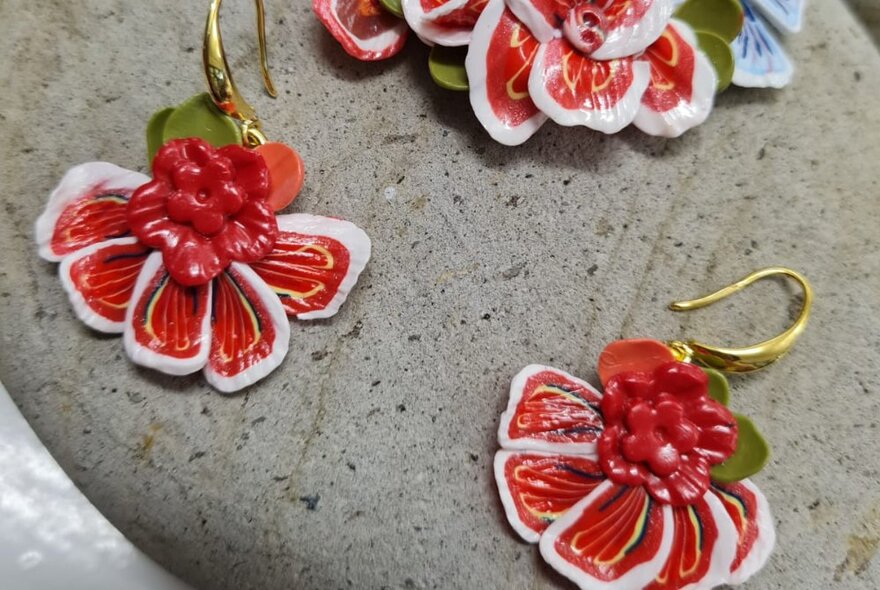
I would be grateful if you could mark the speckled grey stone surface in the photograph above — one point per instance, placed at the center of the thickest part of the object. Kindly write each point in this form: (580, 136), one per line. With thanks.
(364, 461)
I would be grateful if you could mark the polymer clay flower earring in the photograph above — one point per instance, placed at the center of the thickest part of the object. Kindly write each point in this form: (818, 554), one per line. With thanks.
(193, 266)
(644, 485)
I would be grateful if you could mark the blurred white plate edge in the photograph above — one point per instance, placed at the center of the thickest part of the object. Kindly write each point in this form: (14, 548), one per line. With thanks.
(51, 536)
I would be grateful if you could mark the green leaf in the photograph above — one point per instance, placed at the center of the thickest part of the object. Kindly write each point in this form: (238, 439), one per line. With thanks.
(719, 390)
(446, 65)
(198, 117)
(393, 6)
(720, 17)
(750, 456)
(155, 132)
(720, 55)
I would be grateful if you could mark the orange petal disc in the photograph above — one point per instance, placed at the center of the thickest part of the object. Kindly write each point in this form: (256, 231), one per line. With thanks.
(632, 355)
(286, 173)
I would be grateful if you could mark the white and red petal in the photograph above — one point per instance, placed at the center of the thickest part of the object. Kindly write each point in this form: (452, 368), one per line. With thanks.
(444, 22)
(703, 546)
(630, 25)
(551, 411)
(683, 83)
(364, 29)
(538, 488)
(616, 538)
(315, 264)
(633, 25)
(250, 333)
(88, 206)
(576, 90)
(542, 17)
(498, 64)
(756, 536)
(100, 279)
(167, 325)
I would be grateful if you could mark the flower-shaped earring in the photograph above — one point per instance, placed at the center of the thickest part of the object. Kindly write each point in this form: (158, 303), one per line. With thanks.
(644, 485)
(193, 267)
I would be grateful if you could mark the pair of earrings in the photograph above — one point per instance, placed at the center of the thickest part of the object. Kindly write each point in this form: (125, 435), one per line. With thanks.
(642, 486)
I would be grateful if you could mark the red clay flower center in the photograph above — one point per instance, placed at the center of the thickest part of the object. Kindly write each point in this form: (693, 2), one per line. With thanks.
(663, 431)
(204, 208)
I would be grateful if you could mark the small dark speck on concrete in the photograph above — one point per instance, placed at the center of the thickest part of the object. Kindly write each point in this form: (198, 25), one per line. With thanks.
(761, 153)
(487, 316)
(566, 182)
(351, 466)
(814, 505)
(414, 337)
(513, 271)
(319, 355)
(355, 332)
(474, 457)
(196, 455)
(592, 270)
(375, 383)
(401, 408)
(311, 502)
(857, 75)
(259, 420)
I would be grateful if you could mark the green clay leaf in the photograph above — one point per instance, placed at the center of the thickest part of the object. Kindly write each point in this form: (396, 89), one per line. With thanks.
(155, 132)
(720, 17)
(393, 6)
(446, 65)
(198, 117)
(751, 454)
(718, 388)
(720, 55)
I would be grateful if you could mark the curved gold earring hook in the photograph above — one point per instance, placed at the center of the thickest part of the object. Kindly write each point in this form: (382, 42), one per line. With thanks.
(223, 90)
(750, 358)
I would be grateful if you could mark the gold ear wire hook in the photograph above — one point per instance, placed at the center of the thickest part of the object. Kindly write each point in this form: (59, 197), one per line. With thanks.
(223, 90)
(750, 358)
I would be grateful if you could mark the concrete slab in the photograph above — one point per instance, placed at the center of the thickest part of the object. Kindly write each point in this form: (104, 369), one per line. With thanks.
(365, 460)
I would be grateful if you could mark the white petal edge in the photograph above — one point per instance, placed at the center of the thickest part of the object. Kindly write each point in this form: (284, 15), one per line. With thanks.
(685, 116)
(607, 121)
(280, 346)
(638, 577)
(422, 23)
(517, 388)
(77, 181)
(528, 534)
(377, 46)
(534, 20)
(145, 357)
(82, 309)
(349, 235)
(475, 64)
(764, 544)
(725, 547)
(627, 41)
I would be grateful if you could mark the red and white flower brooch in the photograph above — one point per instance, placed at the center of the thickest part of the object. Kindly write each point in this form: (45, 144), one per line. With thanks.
(601, 64)
(643, 485)
(192, 266)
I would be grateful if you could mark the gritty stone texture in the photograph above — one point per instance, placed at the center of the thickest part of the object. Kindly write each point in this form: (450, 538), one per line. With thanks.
(365, 460)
